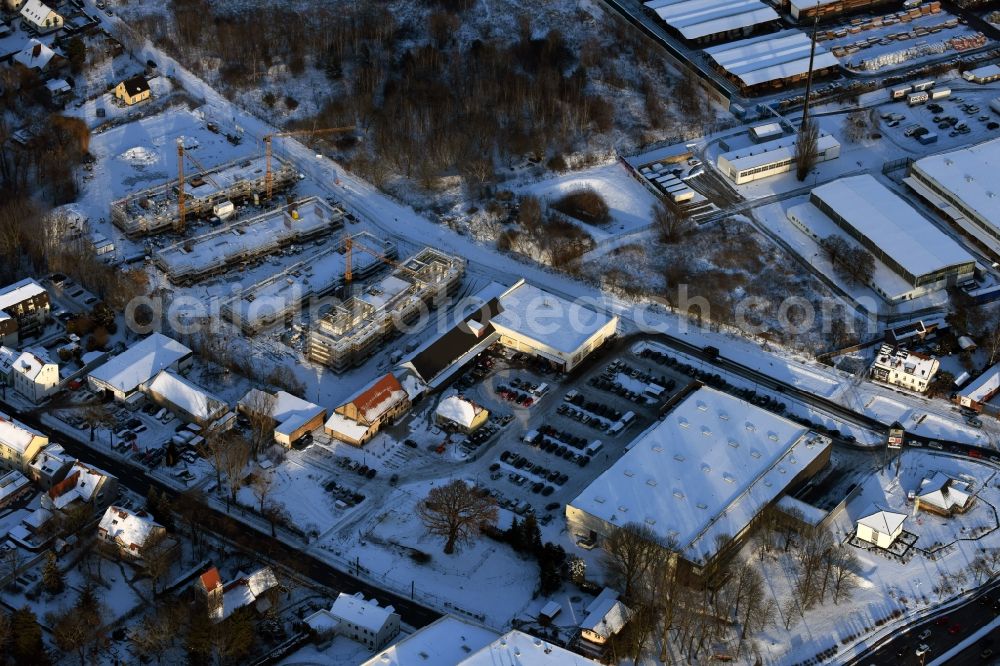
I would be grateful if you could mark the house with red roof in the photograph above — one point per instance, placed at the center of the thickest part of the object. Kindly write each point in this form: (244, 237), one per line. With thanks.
(359, 419)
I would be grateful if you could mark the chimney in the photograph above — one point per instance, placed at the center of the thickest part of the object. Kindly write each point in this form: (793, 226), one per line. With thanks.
(36, 51)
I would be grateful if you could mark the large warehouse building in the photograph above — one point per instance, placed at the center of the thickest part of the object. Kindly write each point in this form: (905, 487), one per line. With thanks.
(888, 227)
(963, 185)
(701, 476)
(771, 61)
(706, 21)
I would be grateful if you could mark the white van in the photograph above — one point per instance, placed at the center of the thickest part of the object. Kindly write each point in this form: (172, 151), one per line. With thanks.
(594, 448)
(627, 418)
(616, 428)
(541, 390)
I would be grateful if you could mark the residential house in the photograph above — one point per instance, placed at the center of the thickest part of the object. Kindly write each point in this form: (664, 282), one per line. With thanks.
(39, 17)
(293, 417)
(50, 466)
(27, 304)
(19, 444)
(133, 90)
(881, 528)
(460, 414)
(13, 486)
(358, 420)
(907, 369)
(943, 495)
(31, 372)
(124, 374)
(129, 533)
(188, 401)
(222, 600)
(82, 484)
(358, 619)
(604, 617)
(977, 394)
(31, 533)
(37, 57)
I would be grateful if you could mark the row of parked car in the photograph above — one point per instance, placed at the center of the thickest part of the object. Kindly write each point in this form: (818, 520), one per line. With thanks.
(712, 379)
(476, 439)
(598, 408)
(345, 497)
(355, 466)
(513, 395)
(523, 463)
(581, 416)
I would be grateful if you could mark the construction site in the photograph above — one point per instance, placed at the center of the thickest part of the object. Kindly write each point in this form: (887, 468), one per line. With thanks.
(351, 332)
(167, 207)
(246, 242)
(280, 296)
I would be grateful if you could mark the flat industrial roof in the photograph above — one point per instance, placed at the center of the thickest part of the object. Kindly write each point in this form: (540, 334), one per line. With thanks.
(551, 320)
(884, 217)
(445, 642)
(782, 148)
(704, 472)
(770, 57)
(701, 18)
(141, 362)
(970, 174)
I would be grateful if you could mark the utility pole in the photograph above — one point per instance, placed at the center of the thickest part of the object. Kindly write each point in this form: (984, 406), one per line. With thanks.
(181, 212)
(809, 75)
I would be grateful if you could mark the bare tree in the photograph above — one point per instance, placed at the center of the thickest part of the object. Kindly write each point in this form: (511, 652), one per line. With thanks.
(261, 485)
(671, 225)
(157, 560)
(845, 572)
(71, 632)
(456, 511)
(258, 408)
(806, 149)
(235, 456)
(630, 551)
(856, 125)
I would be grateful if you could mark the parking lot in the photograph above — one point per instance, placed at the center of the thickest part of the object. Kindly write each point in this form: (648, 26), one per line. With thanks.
(550, 435)
(961, 118)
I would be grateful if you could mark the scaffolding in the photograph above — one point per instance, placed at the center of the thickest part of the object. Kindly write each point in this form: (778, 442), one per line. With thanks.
(247, 241)
(351, 332)
(281, 296)
(158, 209)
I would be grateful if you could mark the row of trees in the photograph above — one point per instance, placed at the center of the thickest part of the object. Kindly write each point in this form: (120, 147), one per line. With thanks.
(852, 262)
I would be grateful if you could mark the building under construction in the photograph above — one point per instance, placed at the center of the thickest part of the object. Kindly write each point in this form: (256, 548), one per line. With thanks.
(247, 241)
(350, 333)
(281, 296)
(157, 209)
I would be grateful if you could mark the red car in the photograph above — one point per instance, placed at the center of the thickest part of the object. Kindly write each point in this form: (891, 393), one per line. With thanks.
(954, 629)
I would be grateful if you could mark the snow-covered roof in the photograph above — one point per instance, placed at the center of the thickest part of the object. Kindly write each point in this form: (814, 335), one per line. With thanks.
(244, 591)
(31, 362)
(187, 396)
(882, 216)
(34, 55)
(361, 612)
(983, 386)
(701, 18)
(516, 648)
(769, 152)
(703, 472)
(129, 529)
(288, 411)
(605, 615)
(810, 514)
(445, 642)
(944, 492)
(322, 621)
(57, 86)
(377, 399)
(51, 459)
(984, 72)
(458, 410)
(969, 174)
(15, 434)
(883, 522)
(140, 362)
(533, 313)
(771, 57)
(7, 358)
(350, 428)
(81, 483)
(35, 11)
(911, 362)
(10, 483)
(19, 292)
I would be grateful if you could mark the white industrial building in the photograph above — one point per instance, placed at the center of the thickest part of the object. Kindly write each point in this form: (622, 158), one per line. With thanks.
(903, 368)
(881, 528)
(963, 185)
(771, 60)
(771, 158)
(710, 20)
(538, 322)
(188, 401)
(982, 75)
(124, 374)
(892, 230)
(701, 475)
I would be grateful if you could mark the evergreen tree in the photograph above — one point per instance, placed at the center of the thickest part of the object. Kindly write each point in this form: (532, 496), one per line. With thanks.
(171, 457)
(26, 646)
(52, 575)
(531, 535)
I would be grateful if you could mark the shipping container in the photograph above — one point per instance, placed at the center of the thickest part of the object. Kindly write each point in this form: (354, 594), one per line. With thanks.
(916, 98)
(901, 92)
(941, 93)
(923, 85)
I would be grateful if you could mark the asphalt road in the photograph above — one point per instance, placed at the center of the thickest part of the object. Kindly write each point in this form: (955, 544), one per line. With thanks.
(963, 621)
(245, 536)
